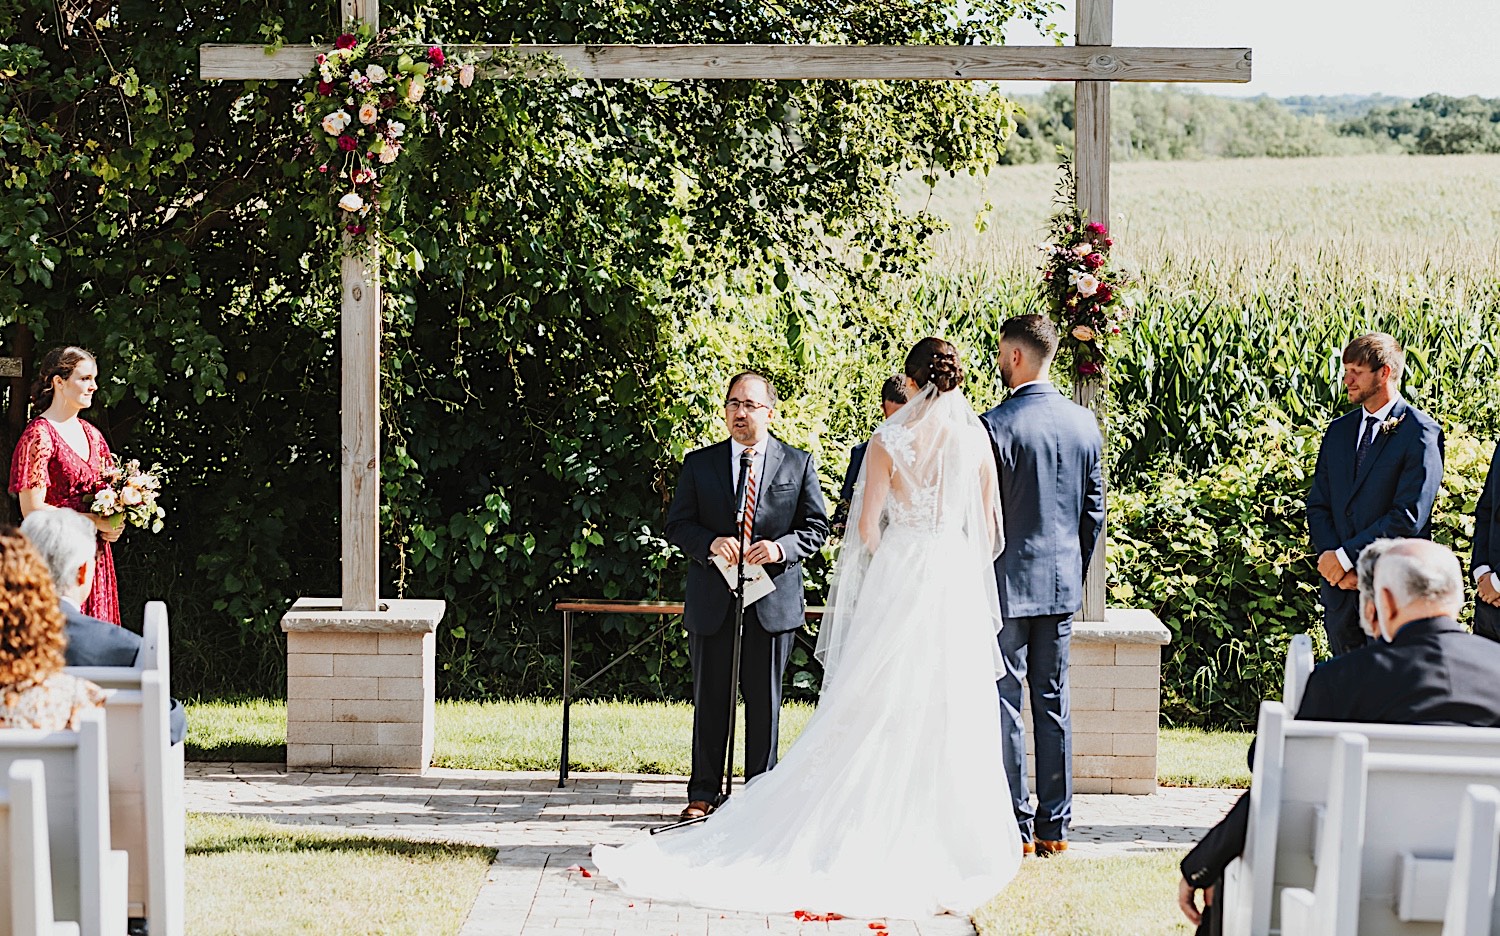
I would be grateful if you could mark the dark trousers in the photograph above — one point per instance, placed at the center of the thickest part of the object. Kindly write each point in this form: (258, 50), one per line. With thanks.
(1036, 651)
(763, 659)
(1341, 619)
(1486, 620)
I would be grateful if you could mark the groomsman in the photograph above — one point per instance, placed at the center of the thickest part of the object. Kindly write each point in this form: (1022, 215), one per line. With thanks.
(787, 522)
(1486, 562)
(892, 398)
(1048, 452)
(1377, 476)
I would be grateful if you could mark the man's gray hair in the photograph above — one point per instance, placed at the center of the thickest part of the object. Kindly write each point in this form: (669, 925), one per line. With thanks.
(1365, 568)
(65, 538)
(1421, 570)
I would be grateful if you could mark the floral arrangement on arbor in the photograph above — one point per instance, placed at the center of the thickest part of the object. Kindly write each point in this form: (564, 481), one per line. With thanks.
(374, 97)
(1087, 295)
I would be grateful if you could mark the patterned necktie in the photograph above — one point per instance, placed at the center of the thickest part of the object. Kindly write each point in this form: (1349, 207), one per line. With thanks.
(749, 523)
(1365, 441)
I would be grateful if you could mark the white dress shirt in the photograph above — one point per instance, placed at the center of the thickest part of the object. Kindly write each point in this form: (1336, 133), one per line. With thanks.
(1381, 415)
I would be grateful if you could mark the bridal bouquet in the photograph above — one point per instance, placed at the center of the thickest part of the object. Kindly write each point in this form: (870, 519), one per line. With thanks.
(1087, 295)
(128, 495)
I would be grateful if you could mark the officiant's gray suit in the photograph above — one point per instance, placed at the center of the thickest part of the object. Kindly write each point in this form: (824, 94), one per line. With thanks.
(790, 511)
(1048, 452)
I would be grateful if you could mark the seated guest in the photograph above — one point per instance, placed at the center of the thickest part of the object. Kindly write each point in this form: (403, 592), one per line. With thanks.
(892, 397)
(1422, 669)
(65, 540)
(34, 691)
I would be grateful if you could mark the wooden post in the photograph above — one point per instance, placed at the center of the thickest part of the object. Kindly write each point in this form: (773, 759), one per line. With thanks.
(367, 11)
(360, 423)
(1095, 27)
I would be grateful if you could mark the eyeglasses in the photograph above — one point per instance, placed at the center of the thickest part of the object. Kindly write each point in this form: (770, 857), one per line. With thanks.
(749, 406)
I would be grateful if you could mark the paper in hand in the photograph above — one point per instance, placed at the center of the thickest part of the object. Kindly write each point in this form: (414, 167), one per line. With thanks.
(758, 584)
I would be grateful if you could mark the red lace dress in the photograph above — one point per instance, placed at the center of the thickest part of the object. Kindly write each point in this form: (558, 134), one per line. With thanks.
(44, 459)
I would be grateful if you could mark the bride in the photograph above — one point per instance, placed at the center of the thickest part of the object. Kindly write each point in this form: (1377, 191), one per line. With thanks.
(893, 802)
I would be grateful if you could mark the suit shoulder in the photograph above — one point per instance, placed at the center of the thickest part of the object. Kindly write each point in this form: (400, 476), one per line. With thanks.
(707, 451)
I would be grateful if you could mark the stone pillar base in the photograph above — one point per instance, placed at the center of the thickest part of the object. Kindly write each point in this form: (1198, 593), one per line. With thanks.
(1114, 675)
(360, 685)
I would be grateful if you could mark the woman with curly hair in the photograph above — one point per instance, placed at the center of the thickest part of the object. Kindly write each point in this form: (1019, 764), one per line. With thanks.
(34, 691)
(59, 457)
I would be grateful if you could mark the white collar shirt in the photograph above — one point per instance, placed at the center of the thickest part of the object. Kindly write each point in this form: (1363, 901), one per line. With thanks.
(758, 461)
(1381, 415)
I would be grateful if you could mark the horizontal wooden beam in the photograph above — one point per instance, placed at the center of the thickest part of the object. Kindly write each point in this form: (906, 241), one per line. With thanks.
(808, 62)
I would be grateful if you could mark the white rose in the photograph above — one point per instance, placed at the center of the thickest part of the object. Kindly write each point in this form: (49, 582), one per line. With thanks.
(395, 127)
(335, 122)
(1086, 285)
(1083, 249)
(130, 497)
(389, 153)
(375, 73)
(368, 114)
(351, 202)
(415, 89)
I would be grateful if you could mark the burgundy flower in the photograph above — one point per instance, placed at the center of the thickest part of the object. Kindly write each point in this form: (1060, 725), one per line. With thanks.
(348, 144)
(1088, 368)
(1096, 228)
(323, 168)
(346, 41)
(355, 228)
(1109, 242)
(387, 101)
(436, 57)
(1103, 294)
(1094, 261)
(325, 88)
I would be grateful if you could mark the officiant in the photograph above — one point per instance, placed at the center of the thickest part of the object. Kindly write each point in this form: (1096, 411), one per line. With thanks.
(785, 521)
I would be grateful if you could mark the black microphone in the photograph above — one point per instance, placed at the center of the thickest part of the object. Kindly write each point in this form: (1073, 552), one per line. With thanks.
(740, 491)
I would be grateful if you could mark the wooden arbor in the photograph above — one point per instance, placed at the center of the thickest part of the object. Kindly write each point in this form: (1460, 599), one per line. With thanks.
(1092, 64)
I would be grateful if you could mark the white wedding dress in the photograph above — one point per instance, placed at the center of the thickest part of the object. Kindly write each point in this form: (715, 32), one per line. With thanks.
(893, 802)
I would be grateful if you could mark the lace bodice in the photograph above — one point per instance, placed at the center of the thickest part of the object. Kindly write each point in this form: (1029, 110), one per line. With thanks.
(927, 492)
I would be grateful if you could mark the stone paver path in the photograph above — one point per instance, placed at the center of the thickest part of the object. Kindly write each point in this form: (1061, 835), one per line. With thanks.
(539, 832)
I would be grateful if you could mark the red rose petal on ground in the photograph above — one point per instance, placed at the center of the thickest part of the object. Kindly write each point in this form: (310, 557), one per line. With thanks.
(877, 925)
(581, 870)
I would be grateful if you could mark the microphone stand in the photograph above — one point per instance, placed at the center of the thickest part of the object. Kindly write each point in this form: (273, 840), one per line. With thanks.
(739, 631)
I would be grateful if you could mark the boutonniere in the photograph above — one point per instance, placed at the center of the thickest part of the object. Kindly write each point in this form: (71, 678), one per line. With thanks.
(1392, 424)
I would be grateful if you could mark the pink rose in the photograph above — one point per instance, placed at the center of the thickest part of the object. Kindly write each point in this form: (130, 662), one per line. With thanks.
(1095, 227)
(346, 41)
(348, 144)
(321, 58)
(1094, 261)
(436, 57)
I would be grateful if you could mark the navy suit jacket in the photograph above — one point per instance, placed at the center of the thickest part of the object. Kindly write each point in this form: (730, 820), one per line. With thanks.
(1391, 496)
(789, 510)
(92, 642)
(1433, 673)
(851, 478)
(1048, 451)
(1487, 520)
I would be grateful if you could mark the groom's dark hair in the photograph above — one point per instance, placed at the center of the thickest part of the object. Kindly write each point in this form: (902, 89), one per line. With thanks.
(1036, 333)
(894, 390)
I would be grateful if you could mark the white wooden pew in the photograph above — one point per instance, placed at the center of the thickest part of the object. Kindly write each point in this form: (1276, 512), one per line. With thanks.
(1386, 856)
(26, 856)
(1471, 907)
(88, 879)
(1288, 791)
(1299, 666)
(146, 778)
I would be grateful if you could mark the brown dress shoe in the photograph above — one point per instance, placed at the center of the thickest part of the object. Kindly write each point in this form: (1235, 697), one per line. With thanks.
(697, 809)
(1028, 848)
(1045, 847)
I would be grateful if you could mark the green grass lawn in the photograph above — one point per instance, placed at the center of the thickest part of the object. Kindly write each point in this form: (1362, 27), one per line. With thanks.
(629, 737)
(1088, 897)
(248, 877)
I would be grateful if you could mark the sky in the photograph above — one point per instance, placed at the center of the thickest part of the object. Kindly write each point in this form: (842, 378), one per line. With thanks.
(1402, 47)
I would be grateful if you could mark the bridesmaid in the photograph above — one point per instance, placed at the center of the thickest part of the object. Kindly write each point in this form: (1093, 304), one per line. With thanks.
(59, 458)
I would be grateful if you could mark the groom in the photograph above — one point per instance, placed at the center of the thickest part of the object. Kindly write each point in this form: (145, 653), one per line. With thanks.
(1486, 563)
(1048, 453)
(1377, 476)
(787, 522)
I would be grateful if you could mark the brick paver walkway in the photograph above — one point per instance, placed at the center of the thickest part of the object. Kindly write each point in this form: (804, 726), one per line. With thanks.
(539, 831)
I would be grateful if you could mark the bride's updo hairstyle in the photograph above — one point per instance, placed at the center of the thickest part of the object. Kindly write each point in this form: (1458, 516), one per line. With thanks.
(934, 361)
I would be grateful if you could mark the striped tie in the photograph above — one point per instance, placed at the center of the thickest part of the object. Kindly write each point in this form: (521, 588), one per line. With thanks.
(749, 523)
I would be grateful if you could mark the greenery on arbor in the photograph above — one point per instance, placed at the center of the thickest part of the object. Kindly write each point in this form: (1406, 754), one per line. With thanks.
(547, 366)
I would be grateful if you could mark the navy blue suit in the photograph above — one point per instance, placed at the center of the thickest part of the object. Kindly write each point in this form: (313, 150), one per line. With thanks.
(851, 478)
(790, 511)
(1487, 546)
(92, 642)
(1390, 496)
(1048, 452)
